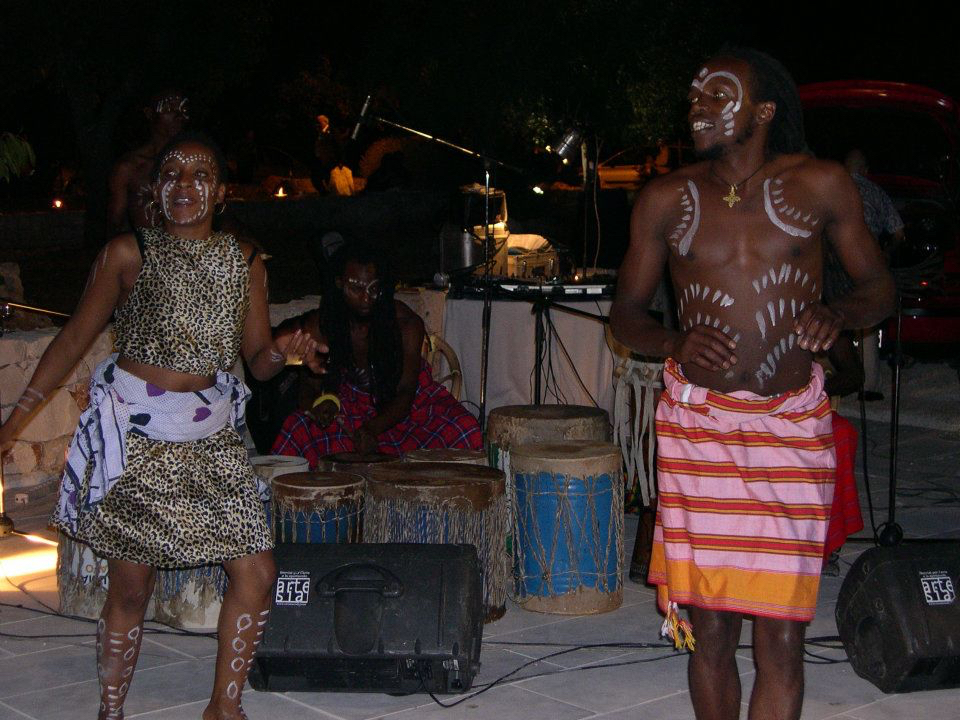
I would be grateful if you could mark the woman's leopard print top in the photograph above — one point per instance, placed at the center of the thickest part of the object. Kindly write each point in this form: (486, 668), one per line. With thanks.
(187, 308)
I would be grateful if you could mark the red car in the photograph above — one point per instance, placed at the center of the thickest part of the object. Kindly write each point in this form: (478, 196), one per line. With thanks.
(910, 135)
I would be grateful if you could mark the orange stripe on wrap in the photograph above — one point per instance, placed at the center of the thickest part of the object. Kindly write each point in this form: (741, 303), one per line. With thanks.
(706, 468)
(742, 438)
(805, 511)
(776, 546)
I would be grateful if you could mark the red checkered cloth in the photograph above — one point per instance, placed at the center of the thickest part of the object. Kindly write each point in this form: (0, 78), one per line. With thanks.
(845, 517)
(436, 420)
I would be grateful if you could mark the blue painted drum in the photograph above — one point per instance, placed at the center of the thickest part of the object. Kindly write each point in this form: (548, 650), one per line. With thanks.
(317, 507)
(568, 527)
(510, 425)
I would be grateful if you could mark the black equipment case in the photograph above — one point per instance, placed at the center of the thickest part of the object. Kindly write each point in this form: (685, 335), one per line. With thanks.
(899, 617)
(396, 618)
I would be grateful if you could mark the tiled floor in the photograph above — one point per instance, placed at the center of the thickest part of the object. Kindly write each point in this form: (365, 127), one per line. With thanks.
(54, 676)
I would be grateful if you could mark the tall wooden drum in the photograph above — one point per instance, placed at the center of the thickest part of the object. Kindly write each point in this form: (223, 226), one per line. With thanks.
(81, 578)
(444, 503)
(568, 527)
(190, 598)
(448, 455)
(318, 507)
(512, 425)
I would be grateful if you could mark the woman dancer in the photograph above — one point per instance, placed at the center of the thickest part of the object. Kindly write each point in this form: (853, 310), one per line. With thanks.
(157, 475)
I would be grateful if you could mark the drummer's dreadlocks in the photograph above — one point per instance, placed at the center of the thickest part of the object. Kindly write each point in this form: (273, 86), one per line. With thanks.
(772, 82)
(385, 353)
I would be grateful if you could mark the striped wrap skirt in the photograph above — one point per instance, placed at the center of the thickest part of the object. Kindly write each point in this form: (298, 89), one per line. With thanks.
(745, 488)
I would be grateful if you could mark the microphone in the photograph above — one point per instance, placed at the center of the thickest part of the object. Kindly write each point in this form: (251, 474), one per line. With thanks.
(363, 115)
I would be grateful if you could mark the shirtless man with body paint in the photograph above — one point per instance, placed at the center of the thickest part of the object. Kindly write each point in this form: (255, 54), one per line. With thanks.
(129, 205)
(743, 233)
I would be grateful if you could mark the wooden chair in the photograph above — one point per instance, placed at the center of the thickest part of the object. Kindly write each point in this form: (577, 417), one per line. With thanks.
(442, 359)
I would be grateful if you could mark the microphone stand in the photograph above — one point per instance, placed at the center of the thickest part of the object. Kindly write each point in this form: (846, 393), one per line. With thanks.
(890, 533)
(541, 307)
(6, 524)
(488, 164)
(487, 297)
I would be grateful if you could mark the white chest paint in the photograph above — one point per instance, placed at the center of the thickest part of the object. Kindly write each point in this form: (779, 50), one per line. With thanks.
(793, 220)
(682, 236)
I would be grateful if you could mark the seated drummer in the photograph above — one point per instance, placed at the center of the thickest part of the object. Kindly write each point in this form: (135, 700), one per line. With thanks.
(378, 394)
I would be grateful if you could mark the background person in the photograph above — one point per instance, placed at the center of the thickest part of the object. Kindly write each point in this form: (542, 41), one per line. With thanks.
(378, 393)
(886, 225)
(129, 206)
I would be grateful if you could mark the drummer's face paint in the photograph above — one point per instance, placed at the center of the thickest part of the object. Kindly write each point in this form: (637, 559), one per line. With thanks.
(169, 116)
(361, 287)
(173, 105)
(188, 182)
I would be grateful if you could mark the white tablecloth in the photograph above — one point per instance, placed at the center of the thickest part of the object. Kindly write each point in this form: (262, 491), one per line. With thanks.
(510, 378)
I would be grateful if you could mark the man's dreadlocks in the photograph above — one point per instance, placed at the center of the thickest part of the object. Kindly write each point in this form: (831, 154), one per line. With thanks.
(772, 82)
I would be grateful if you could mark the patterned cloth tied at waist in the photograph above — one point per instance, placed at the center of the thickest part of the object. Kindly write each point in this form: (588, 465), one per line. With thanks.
(120, 403)
(745, 488)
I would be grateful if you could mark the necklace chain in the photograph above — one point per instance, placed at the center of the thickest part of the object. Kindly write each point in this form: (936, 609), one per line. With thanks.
(731, 198)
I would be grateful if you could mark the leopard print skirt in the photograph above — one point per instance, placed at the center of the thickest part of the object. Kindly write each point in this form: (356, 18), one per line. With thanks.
(180, 504)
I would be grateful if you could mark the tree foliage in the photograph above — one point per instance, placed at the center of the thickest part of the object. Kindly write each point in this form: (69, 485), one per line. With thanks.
(500, 76)
(503, 72)
(16, 156)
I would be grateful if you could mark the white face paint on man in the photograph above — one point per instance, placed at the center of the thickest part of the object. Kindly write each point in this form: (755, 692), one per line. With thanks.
(733, 104)
(187, 182)
(719, 112)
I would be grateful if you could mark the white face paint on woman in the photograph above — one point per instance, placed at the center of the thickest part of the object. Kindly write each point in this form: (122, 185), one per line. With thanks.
(188, 182)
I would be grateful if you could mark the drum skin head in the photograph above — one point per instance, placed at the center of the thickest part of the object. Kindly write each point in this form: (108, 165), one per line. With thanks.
(456, 483)
(303, 491)
(447, 455)
(271, 466)
(511, 425)
(548, 412)
(578, 458)
(312, 480)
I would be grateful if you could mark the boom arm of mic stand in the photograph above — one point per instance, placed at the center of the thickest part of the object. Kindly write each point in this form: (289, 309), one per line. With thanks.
(487, 300)
(8, 306)
(446, 143)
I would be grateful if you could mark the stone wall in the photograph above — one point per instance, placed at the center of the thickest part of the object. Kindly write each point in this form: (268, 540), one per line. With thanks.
(38, 230)
(35, 461)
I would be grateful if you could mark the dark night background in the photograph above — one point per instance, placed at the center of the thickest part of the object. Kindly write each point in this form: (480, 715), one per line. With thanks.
(500, 76)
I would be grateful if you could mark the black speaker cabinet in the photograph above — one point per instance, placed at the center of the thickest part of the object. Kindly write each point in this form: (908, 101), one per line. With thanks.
(394, 618)
(899, 618)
